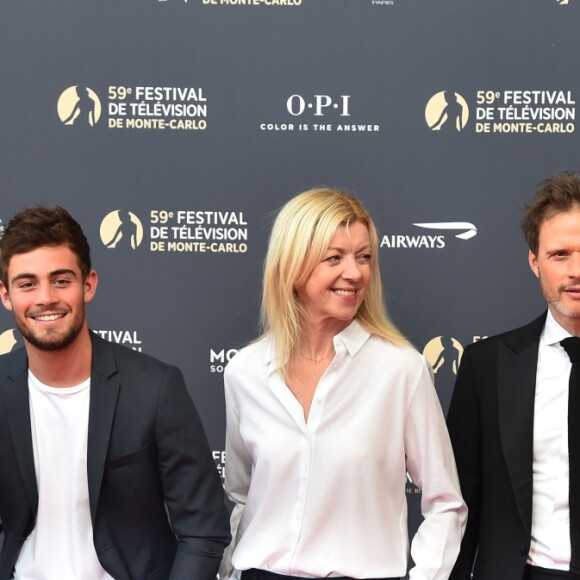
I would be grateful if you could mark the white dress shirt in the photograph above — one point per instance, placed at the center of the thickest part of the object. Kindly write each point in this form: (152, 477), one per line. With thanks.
(326, 497)
(550, 546)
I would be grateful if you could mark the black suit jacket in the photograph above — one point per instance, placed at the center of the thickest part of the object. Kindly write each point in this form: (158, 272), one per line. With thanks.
(147, 459)
(490, 422)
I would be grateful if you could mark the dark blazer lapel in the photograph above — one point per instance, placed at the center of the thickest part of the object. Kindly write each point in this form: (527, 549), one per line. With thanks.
(517, 363)
(15, 390)
(104, 393)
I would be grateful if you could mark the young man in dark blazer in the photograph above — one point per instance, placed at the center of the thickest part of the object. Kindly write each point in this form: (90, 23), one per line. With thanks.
(105, 471)
(508, 418)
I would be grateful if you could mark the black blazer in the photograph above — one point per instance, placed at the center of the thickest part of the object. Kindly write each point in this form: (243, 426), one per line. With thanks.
(147, 458)
(490, 422)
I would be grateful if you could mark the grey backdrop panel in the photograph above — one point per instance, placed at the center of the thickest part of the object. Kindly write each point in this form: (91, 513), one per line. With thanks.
(276, 83)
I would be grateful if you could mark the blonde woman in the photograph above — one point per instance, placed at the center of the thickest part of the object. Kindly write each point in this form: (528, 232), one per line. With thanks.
(327, 412)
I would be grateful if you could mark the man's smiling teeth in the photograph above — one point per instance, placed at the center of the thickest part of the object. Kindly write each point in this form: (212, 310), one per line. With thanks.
(345, 292)
(48, 317)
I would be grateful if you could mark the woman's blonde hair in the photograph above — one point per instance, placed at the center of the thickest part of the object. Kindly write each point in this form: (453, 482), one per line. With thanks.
(300, 236)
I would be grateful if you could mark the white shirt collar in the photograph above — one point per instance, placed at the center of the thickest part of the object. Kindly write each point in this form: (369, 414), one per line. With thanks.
(553, 333)
(352, 338)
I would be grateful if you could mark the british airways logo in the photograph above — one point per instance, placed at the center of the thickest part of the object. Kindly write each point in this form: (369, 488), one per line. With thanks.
(461, 230)
(467, 229)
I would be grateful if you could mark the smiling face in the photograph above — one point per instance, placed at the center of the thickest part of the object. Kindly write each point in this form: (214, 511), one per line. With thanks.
(337, 286)
(47, 294)
(557, 266)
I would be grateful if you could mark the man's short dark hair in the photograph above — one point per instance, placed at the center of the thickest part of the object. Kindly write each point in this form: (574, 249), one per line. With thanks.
(558, 193)
(40, 226)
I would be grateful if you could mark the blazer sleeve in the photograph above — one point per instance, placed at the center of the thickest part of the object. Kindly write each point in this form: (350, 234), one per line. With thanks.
(464, 424)
(192, 488)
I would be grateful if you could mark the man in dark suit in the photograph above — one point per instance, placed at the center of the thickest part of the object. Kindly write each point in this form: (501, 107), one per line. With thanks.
(508, 417)
(105, 471)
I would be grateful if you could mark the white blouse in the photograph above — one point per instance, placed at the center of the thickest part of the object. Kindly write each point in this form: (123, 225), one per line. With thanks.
(326, 497)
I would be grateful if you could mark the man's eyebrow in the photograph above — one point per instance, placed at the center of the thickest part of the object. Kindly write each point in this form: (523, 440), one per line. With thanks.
(53, 274)
(24, 275)
(62, 271)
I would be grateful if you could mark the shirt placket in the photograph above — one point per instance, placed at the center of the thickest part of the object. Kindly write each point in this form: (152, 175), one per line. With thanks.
(308, 448)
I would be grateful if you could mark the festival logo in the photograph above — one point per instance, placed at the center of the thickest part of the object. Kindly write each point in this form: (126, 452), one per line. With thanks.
(79, 106)
(7, 341)
(121, 228)
(198, 231)
(268, 3)
(447, 111)
(219, 456)
(128, 338)
(506, 111)
(444, 354)
(153, 107)
(131, 107)
(179, 230)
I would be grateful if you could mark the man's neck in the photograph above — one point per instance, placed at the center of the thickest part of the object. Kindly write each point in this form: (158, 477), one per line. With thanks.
(65, 367)
(568, 323)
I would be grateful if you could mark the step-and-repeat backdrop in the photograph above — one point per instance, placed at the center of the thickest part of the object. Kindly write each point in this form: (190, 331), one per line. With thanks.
(173, 130)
